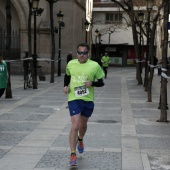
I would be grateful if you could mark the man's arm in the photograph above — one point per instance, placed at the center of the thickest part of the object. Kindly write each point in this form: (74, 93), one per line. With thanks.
(66, 83)
(98, 83)
(66, 80)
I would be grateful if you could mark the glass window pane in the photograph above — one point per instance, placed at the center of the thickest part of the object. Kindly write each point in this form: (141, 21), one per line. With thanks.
(116, 17)
(120, 17)
(111, 17)
(107, 17)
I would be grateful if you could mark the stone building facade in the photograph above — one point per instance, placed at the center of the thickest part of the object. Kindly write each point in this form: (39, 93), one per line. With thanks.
(118, 36)
(73, 33)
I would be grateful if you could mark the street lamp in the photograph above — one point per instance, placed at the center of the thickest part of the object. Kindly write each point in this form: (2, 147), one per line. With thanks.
(96, 32)
(140, 17)
(140, 20)
(36, 12)
(149, 7)
(35, 4)
(149, 4)
(96, 35)
(61, 24)
(99, 37)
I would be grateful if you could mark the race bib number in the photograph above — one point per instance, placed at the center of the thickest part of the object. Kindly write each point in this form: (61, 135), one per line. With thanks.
(81, 91)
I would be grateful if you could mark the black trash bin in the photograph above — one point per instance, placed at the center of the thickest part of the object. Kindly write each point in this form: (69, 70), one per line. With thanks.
(40, 73)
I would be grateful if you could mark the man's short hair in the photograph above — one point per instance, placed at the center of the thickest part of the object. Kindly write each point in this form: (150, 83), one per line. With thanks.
(84, 45)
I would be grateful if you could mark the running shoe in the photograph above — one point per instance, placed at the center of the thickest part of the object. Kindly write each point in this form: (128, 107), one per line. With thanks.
(80, 147)
(73, 160)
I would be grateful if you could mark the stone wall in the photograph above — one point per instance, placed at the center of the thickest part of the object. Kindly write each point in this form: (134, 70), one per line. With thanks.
(72, 34)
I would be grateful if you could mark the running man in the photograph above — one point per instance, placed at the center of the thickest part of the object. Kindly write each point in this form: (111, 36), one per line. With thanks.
(82, 75)
(105, 63)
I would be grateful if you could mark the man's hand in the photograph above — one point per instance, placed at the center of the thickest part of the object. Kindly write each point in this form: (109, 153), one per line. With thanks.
(88, 83)
(65, 89)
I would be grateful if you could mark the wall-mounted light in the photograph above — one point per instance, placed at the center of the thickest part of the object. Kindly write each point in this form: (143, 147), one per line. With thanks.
(61, 24)
(35, 4)
(149, 4)
(60, 16)
(140, 17)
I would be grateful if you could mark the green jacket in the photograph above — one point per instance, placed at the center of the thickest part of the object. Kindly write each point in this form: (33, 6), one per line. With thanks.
(105, 61)
(3, 75)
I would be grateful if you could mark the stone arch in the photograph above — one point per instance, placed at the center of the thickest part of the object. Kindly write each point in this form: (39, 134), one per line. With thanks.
(19, 13)
(22, 8)
(3, 20)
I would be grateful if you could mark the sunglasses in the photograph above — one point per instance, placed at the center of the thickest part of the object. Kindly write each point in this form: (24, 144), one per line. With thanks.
(80, 53)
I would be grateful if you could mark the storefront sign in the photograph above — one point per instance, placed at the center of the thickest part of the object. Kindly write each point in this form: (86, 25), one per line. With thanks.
(116, 61)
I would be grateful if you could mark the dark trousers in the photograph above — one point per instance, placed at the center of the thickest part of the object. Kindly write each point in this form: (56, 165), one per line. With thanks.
(2, 91)
(105, 71)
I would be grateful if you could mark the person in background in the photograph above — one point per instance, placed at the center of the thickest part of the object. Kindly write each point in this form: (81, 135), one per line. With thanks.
(26, 65)
(69, 57)
(82, 75)
(3, 75)
(155, 60)
(105, 63)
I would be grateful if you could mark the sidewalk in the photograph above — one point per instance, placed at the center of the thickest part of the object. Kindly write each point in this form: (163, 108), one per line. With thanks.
(122, 133)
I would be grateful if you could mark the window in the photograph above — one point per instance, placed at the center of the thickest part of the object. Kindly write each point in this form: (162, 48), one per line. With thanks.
(113, 17)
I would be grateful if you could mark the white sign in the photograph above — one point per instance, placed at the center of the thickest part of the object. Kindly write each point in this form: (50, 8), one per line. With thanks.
(116, 61)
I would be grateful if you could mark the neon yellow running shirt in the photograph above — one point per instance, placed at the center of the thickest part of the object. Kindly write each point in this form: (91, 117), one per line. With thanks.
(105, 61)
(3, 75)
(80, 73)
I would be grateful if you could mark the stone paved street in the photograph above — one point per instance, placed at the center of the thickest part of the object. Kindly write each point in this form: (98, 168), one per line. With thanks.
(122, 133)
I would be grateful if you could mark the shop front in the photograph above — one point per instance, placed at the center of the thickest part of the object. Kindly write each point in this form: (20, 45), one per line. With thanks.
(120, 55)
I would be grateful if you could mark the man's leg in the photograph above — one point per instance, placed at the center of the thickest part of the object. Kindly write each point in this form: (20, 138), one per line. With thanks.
(73, 138)
(74, 132)
(79, 124)
(106, 72)
(82, 126)
(82, 131)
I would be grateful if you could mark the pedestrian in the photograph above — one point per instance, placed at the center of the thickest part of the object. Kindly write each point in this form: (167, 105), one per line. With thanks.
(79, 83)
(105, 63)
(26, 65)
(3, 75)
(69, 57)
(155, 61)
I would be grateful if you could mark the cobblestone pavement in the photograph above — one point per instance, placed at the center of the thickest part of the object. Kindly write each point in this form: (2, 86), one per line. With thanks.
(122, 133)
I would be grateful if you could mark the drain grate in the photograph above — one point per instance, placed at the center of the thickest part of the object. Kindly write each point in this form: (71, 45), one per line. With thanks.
(107, 121)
